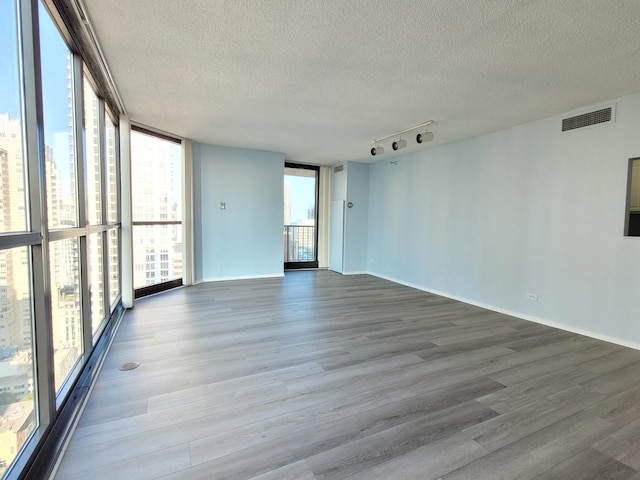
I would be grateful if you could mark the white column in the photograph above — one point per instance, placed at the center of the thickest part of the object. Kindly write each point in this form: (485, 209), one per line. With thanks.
(324, 211)
(126, 260)
(188, 274)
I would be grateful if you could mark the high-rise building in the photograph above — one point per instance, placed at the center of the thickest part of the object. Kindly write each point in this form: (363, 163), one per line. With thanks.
(12, 191)
(157, 256)
(64, 255)
(16, 358)
(287, 202)
(17, 421)
(15, 307)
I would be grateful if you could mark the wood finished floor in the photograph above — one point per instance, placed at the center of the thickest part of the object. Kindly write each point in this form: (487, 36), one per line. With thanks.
(320, 376)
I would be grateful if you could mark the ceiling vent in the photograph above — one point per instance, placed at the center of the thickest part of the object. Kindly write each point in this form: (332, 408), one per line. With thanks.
(603, 115)
(337, 169)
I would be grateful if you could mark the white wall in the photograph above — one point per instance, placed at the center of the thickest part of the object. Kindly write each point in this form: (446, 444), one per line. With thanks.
(245, 240)
(523, 210)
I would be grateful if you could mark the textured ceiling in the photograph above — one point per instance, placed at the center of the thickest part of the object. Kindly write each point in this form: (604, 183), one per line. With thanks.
(317, 80)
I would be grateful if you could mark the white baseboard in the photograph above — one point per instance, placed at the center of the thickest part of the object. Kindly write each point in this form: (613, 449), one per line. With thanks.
(240, 277)
(523, 316)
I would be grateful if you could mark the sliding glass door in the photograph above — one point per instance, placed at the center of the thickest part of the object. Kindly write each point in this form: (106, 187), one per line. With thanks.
(300, 216)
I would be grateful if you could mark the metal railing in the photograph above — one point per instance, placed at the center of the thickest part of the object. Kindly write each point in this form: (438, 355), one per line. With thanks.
(299, 243)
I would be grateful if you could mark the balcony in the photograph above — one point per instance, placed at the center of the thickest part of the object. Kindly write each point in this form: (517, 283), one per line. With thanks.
(300, 246)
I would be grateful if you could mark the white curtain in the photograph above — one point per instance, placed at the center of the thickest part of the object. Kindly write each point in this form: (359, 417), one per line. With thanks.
(188, 274)
(324, 210)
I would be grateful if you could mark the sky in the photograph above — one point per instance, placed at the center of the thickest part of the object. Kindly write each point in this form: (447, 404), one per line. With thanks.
(9, 99)
(55, 98)
(303, 195)
(54, 70)
(54, 55)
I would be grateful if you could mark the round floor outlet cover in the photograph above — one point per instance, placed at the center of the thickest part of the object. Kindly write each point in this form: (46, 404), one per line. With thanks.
(129, 366)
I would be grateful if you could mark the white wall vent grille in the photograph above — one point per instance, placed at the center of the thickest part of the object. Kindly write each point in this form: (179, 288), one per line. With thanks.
(337, 169)
(604, 115)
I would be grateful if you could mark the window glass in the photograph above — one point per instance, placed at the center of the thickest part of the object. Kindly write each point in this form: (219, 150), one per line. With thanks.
(300, 236)
(111, 171)
(57, 103)
(156, 190)
(54, 165)
(156, 178)
(13, 216)
(96, 282)
(114, 265)
(66, 315)
(633, 221)
(17, 396)
(92, 154)
(157, 254)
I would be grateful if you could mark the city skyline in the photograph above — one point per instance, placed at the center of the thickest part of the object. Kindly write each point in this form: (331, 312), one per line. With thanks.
(302, 191)
(156, 195)
(299, 215)
(16, 349)
(17, 384)
(75, 161)
(9, 80)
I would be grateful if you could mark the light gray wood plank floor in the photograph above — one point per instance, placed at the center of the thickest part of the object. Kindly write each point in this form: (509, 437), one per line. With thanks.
(322, 376)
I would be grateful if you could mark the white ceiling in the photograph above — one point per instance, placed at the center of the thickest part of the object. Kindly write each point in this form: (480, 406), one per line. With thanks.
(318, 79)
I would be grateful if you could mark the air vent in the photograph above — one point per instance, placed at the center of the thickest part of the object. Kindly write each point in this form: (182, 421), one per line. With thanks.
(603, 115)
(129, 366)
(337, 169)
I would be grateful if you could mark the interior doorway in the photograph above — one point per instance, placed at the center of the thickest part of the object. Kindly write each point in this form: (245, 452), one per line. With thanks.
(301, 187)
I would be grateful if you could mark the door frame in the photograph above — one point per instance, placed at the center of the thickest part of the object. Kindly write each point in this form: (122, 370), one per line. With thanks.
(314, 263)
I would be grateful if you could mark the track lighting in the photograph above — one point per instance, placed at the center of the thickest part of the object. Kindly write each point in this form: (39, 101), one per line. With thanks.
(400, 143)
(424, 137)
(377, 150)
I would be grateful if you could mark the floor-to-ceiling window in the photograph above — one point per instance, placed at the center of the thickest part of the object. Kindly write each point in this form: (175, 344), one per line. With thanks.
(112, 194)
(18, 392)
(300, 216)
(59, 225)
(61, 169)
(156, 199)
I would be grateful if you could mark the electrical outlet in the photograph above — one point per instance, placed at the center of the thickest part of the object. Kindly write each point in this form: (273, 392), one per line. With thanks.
(222, 264)
(532, 296)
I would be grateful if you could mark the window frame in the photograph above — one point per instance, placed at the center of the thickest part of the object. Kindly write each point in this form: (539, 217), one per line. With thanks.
(55, 413)
(294, 265)
(161, 286)
(632, 211)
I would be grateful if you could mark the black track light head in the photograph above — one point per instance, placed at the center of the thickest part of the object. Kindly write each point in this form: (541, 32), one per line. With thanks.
(377, 150)
(424, 137)
(399, 144)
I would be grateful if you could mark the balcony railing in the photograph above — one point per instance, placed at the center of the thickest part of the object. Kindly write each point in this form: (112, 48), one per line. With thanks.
(299, 243)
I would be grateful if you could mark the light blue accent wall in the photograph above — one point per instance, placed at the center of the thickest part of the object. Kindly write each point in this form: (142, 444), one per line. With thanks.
(245, 239)
(356, 218)
(524, 210)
